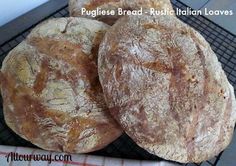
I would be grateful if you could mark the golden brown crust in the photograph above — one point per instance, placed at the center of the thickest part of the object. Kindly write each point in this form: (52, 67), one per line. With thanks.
(166, 88)
(52, 95)
(75, 7)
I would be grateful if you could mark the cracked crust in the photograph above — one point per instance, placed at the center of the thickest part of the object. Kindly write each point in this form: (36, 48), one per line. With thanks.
(167, 88)
(52, 95)
(75, 7)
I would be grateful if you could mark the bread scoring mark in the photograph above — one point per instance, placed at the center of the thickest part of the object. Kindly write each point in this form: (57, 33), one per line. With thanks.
(155, 26)
(158, 66)
(71, 54)
(158, 26)
(85, 65)
(66, 26)
(191, 133)
(41, 78)
(179, 91)
(179, 85)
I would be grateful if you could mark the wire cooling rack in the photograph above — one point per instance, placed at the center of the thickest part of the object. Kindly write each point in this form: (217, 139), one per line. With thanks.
(222, 42)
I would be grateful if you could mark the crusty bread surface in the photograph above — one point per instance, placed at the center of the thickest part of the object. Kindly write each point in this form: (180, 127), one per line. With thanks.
(50, 87)
(166, 88)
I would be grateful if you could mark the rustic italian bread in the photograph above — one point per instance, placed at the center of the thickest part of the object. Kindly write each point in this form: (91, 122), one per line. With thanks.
(50, 87)
(166, 88)
(75, 7)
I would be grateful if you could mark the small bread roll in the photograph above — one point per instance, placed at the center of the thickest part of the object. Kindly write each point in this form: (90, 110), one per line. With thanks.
(166, 88)
(75, 7)
(51, 93)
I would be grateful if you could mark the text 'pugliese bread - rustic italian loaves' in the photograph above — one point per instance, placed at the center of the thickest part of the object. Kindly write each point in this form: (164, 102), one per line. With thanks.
(76, 7)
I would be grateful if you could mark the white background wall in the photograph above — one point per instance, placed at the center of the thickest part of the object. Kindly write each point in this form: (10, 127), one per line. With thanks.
(10, 9)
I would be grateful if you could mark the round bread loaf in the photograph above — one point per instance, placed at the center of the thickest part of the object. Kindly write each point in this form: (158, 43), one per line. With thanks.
(51, 91)
(75, 7)
(166, 87)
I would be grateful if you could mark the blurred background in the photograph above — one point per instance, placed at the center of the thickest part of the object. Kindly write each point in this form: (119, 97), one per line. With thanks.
(10, 9)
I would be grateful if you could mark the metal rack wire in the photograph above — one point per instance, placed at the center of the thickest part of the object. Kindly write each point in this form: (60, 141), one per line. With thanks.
(222, 42)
